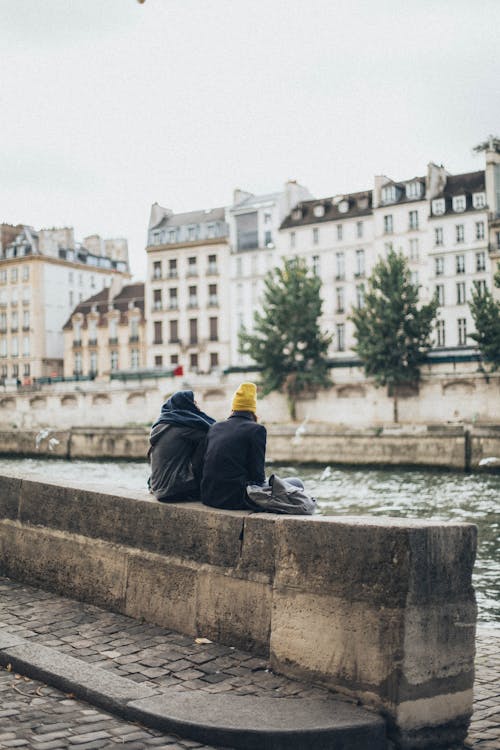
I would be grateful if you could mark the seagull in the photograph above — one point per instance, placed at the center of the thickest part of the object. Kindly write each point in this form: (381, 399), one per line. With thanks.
(52, 443)
(325, 473)
(301, 430)
(490, 461)
(41, 436)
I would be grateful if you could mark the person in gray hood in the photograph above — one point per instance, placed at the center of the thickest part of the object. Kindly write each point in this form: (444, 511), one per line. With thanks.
(177, 445)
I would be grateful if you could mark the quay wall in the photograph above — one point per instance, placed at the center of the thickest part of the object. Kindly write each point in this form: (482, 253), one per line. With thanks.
(450, 447)
(381, 609)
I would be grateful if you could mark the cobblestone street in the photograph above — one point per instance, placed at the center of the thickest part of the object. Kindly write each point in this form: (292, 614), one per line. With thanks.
(38, 716)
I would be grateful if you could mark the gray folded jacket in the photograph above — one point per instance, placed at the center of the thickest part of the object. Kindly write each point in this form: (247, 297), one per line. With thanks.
(281, 496)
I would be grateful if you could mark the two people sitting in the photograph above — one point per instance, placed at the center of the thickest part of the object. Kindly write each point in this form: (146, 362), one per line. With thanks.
(194, 458)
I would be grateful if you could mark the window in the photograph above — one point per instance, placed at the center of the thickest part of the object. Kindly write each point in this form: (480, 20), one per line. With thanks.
(134, 359)
(13, 275)
(339, 293)
(340, 330)
(438, 207)
(481, 261)
(26, 346)
(172, 298)
(439, 266)
(193, 330)
(78, 363)
(438, 235)
(92, 282)
(113, 333)
(479, 230)
(413, 189)
(214, 360)
(71, 303)
(158, 336)
(214, 332)
(172, 268)
(26, 295)
(267, 218)
(340, 232)
(3, 322)
(173, 331)
(388, 225)
(212, 264)
(172, 235)
(14, 321)
(174, 359)
(360, 296)
(157, 303)
(3, 276)
(359, 229)
(388, 248)
(192, 296)
(360, 263)
(26, 273)
(3, 347)
(319, 210)
(479, 200)
(292, 240)
(440, 294)
(389, 194)
(193, 361)
(481, 287)
(14, 346)
(441, 333)
(93, 363)
(268, 238)
(414, 249)
(239, 294)
(15, 371)
(157, 269)
(413, 220)
(158, 360)
(192, 268)
(114, 360)
(462, 331)
(460, 263)
(497, 237)
(212, 295)
(340, 266)
(210, 231)
(414, 277)
(459, 233)
(191, 233)
(315, 236)
(315, 265)
(461, 293)
(14, 298)
(26, 370)
(458, 203)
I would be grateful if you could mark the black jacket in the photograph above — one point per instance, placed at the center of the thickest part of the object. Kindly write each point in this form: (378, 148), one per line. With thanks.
(176, 455)
(234, 457)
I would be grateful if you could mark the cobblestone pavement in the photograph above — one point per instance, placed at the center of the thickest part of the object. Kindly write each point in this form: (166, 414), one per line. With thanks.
(161, 658)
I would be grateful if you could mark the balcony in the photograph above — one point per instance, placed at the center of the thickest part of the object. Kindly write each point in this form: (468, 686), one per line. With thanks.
(193, 304)
(157, 307)
(26, 329)
(113, 340)
(340, 310)
(93, 342)
(193, 340)
(158, 341)
(174, 340)
(3, 329)
(213, 302)
(133, 339)
(14, 329)
(340, 276)
(77, 343)
(248, 240)
(359, 275)
(212, 270)
(173, 274)
(26, 302)
(173, 305)
(213, 337)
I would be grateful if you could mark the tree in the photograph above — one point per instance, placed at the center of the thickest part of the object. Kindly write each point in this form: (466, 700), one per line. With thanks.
(486, 314)
(287, 341)
(391, 329)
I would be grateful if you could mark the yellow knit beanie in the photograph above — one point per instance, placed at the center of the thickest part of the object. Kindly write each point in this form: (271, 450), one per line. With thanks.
(245, 398)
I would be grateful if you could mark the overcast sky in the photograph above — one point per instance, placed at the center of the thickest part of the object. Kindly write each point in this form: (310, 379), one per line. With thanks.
(109, 105)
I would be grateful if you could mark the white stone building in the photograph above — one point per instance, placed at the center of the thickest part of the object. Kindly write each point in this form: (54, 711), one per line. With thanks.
(187, 288)
(43, 275)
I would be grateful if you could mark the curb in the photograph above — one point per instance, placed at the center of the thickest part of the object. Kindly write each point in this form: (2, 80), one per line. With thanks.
(235, 721)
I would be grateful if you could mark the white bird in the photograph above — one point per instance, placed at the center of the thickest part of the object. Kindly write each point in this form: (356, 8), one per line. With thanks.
(327, 472)
(301, 430)
(490, 461)
(52, 443)
(41, 436)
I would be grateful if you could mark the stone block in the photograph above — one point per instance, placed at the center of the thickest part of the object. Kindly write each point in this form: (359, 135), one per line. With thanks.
(10, 490)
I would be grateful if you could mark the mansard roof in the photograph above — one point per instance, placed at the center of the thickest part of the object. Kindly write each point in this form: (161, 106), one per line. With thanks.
(359, 204)
(100, 302)
(461, 184)
(192, 217)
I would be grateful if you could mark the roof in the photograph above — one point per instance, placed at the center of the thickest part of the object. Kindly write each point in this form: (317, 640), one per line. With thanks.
(252, 200)
(192, 217)
(100, 302)
(360, 204)
(459, 184)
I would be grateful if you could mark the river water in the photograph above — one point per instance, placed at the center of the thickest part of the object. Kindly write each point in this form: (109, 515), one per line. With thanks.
(440, 495)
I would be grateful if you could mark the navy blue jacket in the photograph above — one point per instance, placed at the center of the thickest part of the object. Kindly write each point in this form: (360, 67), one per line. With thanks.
(234, 457)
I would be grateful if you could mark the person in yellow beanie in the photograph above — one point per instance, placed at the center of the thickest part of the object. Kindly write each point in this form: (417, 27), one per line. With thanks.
(235, 453)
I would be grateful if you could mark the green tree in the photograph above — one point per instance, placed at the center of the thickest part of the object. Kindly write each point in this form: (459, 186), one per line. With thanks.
(392, 329)
(486, 314)
(287, 341)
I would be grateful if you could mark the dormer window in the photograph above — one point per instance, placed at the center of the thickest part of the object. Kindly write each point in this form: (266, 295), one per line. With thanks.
(459, 203)
(414, 189)
(479, 200)
(363, 203)
(319, 210)
(389, 194)
(343, 207)
(438, 207)
(297, 214)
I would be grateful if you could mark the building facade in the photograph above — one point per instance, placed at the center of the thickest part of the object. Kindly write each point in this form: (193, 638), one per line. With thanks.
(106, 333)
(186, 290)
(43, 275)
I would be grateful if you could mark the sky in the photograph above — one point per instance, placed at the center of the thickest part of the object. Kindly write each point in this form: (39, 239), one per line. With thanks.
(107, 106)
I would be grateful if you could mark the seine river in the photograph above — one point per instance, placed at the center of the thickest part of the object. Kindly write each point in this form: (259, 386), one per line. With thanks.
(340, 491)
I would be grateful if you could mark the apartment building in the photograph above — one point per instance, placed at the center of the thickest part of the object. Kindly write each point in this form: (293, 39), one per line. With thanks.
(187, 289)
(106, 333)
(254, 222)
(43, 275)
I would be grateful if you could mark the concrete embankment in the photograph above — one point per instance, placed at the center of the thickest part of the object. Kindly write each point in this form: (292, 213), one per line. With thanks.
(453, 447)
(381, 609)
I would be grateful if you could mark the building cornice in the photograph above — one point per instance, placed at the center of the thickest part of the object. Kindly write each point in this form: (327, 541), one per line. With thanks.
(180, 245)
(62, 262)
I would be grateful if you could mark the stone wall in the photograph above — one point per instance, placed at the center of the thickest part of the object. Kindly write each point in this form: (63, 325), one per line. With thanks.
(381, 609)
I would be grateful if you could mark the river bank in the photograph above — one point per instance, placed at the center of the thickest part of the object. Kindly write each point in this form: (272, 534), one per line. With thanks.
(461, 448)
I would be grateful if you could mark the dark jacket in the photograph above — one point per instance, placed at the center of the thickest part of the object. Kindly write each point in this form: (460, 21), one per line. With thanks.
(234, 457)
(176, 456)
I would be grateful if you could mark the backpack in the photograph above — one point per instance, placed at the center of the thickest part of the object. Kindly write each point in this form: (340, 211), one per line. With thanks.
(280, 496)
